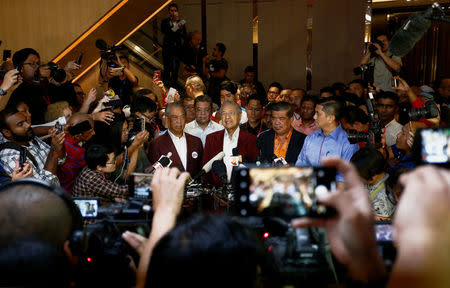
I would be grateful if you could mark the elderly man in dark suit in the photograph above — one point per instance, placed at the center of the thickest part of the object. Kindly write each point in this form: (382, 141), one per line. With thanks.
(187, 151)
(228, 140)
(282, 141)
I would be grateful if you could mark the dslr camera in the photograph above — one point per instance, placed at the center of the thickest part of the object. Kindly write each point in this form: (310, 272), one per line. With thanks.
(108, 53)
(373, 48)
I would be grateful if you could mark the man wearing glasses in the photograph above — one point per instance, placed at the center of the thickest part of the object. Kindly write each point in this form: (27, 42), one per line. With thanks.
(38, 89)
(187, 150)
(202, 125)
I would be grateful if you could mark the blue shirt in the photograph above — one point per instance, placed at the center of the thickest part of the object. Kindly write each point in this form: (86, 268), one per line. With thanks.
(318, 146)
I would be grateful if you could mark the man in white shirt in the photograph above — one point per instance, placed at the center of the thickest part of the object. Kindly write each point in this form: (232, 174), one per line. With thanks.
(202, 125)
(228, 139)
(387, 107)
(187, 150)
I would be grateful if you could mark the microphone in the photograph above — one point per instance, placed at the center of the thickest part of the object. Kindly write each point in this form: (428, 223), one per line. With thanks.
(220, 170)
(101, 44)
(235, 151)
(163, 161)
(207, 167)
(411, 31)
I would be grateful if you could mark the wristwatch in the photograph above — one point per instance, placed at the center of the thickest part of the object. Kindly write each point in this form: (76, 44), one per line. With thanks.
(2, 92)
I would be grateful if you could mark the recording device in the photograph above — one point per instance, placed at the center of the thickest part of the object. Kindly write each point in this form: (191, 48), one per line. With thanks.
(88, 207)
(59, 75)
(157, 75)
(140, 185)
(171, 95)
(432, 146)
(108, 53)
(163, 161)
(22, 158)
(6, 54)
(429, 111)
(58, 127)
(373, 48)
(142, 123)
(113, 103)
(366, 72)
(383, 232)
(286, 193)
(207, 167)
(394, 82)
(80, 57)
(373, 136)
(220, 170)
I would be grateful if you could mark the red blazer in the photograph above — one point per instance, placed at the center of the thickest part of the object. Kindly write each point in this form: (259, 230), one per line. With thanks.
(163, 145)
(214, 145)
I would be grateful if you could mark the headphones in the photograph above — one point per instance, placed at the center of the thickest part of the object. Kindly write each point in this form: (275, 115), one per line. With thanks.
(77, 238)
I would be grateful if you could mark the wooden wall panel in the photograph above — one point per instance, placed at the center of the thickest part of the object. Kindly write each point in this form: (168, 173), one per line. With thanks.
(48, 26)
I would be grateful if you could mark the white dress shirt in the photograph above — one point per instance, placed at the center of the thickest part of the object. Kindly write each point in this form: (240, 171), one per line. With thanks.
(181, 146)
(194, 129)
(228, 146)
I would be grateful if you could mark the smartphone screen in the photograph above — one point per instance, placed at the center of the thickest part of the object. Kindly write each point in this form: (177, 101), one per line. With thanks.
(88, 207)
(383, 232)
(435, 146)
(140, 185)
(287, 192)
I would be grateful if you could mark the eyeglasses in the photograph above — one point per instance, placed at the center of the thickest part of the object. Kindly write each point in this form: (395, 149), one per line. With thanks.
(32, 64)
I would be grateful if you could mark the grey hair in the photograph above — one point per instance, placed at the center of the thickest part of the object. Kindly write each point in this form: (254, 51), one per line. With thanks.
(171, 105)
(231, 103)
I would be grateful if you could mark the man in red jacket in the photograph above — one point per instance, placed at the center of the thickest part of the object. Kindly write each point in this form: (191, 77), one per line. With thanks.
(228, 140)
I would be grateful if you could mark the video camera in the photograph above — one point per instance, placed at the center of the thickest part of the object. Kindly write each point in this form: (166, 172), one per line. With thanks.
(429, 111)
(108, 53)
(373, 136)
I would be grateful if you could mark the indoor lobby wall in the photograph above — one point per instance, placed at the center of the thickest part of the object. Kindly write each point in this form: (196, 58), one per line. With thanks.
(48, 26)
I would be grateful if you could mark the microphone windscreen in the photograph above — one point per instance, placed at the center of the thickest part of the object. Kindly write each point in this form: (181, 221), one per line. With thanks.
(164, 161)
(406, 37)
(219, 168)
(101, 44)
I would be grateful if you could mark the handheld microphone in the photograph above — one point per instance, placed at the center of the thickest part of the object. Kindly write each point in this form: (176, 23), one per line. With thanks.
(235, 151)
(220, 170)
(207, 167)
(163, 161)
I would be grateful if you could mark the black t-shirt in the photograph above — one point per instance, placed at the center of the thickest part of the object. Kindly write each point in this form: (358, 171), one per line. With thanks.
(39, 95)
(254, 130)
(122, 88)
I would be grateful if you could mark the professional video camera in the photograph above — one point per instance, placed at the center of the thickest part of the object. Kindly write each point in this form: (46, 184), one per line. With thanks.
(108, 53)
(373, 136)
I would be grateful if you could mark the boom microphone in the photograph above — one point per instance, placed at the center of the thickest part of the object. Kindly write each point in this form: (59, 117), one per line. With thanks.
(411, 31)
(207, 167)
(101, 44)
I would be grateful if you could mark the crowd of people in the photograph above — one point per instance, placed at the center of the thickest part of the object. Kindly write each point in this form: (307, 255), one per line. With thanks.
(89, 144)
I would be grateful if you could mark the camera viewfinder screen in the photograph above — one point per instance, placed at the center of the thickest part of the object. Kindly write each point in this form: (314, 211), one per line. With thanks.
(435, 146)
(142, 189)
(289, 192)
(88, 207)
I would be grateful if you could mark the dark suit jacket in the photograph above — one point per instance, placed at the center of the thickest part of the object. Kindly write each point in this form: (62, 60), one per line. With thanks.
(214, 145)
(267, 139)
(163, 145)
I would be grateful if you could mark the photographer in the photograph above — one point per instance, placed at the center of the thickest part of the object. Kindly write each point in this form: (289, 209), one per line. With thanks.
(119, 77)
(42, 84)
(386, 65)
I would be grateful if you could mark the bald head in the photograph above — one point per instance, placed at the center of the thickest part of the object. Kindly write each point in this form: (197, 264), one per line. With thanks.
(29, 210)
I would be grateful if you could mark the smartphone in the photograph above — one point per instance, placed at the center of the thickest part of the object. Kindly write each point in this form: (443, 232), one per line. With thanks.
(157, 75)
(140, 185)
(394, 82)
(432, 146)
(6, 55)
(22, 158)
(383, 232)
(59, 127)
(80, 57)
(88, 207)
(284, 192)
(142, 123)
